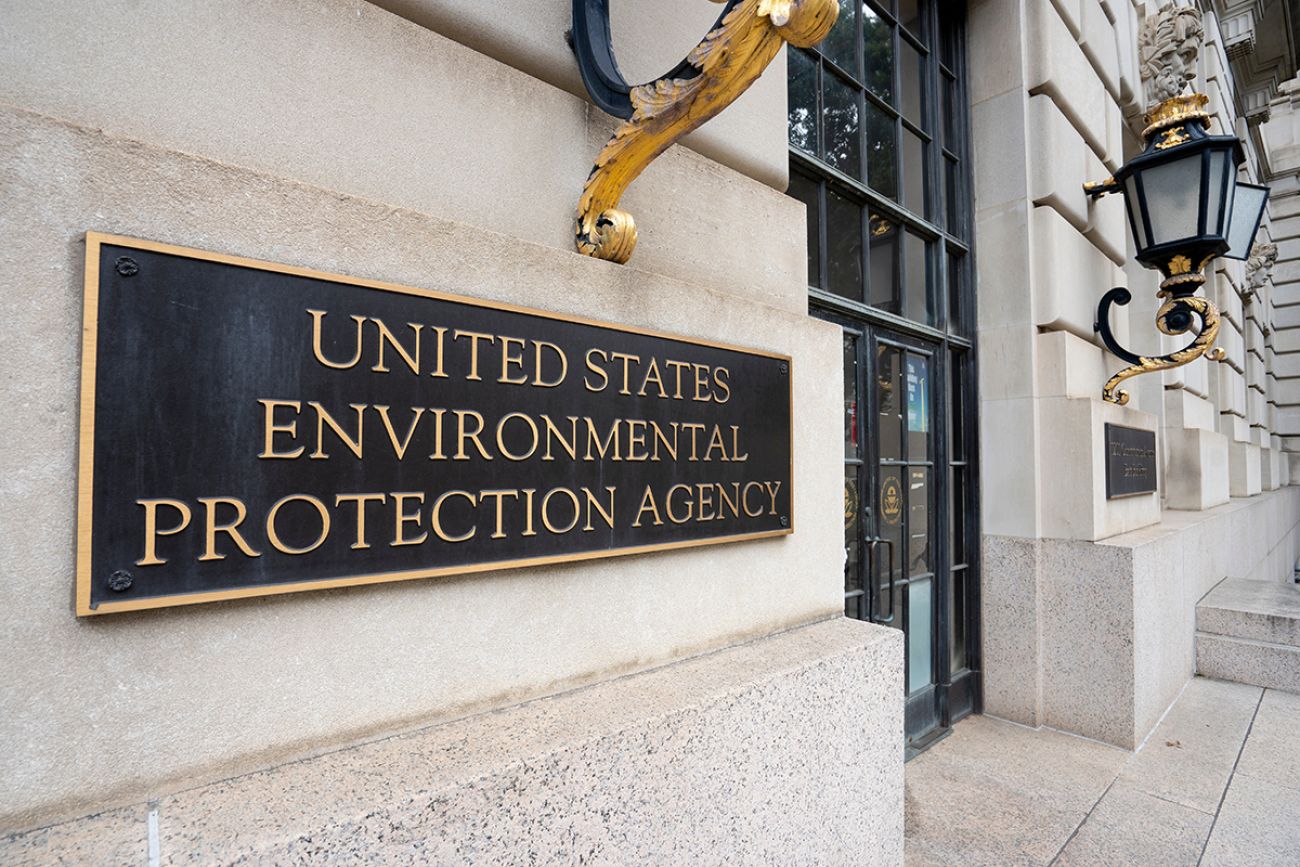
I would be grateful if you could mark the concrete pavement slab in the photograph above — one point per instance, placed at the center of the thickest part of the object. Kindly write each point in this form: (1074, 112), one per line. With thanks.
(1272, 751)
(1259, 826)
(1128, 826)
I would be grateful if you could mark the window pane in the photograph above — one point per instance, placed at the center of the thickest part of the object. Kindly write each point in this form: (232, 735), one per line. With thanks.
(910, 71)
(913, 173)
(950, 102)
(802, 114)
(843, 246)
(952, 196)
(878, 55)
(948, 41)
(957, 608)
(882, 152)
(839, 43)
(919, 305)
(918, 407)
(804, 189)
(918, 521)
(909, 15)
(885, 284)
(843, 126)
(956, 299)
(957, 534)
(850, 396)
(920, 640)
(891, 502)
(852, 540)
(958, 410)
(889, 406)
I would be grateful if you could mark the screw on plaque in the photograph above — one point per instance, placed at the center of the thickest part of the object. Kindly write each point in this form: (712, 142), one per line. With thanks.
(785, 368)
(120, 581)
(127, 267)
(785, 522)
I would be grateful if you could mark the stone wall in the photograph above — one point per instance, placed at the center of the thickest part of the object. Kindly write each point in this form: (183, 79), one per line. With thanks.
(335, 135)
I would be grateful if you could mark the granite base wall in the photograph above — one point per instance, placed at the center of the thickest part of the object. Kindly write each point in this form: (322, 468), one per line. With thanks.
(1097, 638)
(786, 750)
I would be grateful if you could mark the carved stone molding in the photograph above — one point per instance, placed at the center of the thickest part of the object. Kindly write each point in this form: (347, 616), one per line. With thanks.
(1168, 46)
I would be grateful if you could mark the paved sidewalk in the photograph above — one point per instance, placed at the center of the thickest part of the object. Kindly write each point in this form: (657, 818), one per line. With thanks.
(1217, 783)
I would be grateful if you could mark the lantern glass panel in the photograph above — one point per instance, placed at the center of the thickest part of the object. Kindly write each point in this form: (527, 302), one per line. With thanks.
(1173, 193)
(1218, 177)
(1134, 205)
(1247, 209)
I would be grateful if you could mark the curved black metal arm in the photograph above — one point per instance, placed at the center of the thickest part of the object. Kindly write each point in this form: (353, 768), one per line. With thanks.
(595, 50)
(1175, 316)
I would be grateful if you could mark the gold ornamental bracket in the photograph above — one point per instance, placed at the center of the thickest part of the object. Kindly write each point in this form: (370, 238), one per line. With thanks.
(745, 39)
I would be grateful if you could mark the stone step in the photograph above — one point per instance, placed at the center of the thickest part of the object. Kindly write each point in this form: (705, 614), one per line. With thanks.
(1259, 663)
(1261, 611)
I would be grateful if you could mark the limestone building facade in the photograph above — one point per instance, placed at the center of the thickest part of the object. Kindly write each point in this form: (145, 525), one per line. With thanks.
(900, 211)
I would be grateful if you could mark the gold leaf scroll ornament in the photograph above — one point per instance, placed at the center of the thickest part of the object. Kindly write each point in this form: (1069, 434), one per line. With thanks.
(730, 59)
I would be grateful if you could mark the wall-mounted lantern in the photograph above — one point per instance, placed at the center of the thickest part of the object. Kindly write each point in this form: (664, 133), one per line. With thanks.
(1185, 206)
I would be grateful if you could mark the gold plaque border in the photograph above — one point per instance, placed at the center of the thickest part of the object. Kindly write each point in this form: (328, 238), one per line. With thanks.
(86, 459)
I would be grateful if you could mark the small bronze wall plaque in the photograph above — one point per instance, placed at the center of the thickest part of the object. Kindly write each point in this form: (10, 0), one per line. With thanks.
(1130, 461)
(250, 428)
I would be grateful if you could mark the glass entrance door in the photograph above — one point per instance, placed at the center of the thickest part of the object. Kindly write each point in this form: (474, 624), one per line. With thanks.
(899, 567)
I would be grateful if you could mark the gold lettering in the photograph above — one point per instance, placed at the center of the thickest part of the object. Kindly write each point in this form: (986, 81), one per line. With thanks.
(507, 359)
(668, 504)
(472, 436)
(625, 358)
(316, 317)
(270, 429)
(474, 338)
(499, 496)
(744, 499)
(660, 439)
(652, 372)
(772, 488)
(593, 502)
(501, 440)
(612, 439)
(704, 496)
(735, 445)
(440, 354)
(636, 437)
(694, 428)
(648, 505)
(360, 500)
(604, 377)
(324, 418)
(230, 528)
(438, 454)
(546, 512)
(436, 517)
(721, 381)
(571, 446)
(401, 519)
(677, 367)
(151, 531)
(386, 338)
(278, 543)
(399, 449)
(702, 383)
(732, 502)
(538, 382)
(528, 512)
(716, 442)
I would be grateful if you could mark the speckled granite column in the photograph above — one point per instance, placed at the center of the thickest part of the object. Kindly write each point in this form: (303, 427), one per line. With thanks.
(785, 750)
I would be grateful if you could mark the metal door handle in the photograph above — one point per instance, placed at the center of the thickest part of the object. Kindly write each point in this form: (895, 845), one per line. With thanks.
(893, 585)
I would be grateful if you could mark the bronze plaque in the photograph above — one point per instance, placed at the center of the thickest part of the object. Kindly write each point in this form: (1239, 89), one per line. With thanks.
(251, 428)
(1130, 461)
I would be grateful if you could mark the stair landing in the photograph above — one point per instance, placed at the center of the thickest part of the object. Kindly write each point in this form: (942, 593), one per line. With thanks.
(1249, 632)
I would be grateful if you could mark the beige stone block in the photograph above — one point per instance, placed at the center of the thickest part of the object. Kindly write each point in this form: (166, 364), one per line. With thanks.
(1061, 157)
(1097, 39)
(218, 689)
(1235, 427)
(1069, 275)
(649, 40)
(994, 48)
(1009, 484)
(1067, 365)
(1072, 445)
(999, 145)
(1196, 468)
(1243, 469)
(1185, 409)
(1108, 226)
(1071, 13)
(1055, 65)
(1008, 366)
(378, 108)
(1004, 296)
